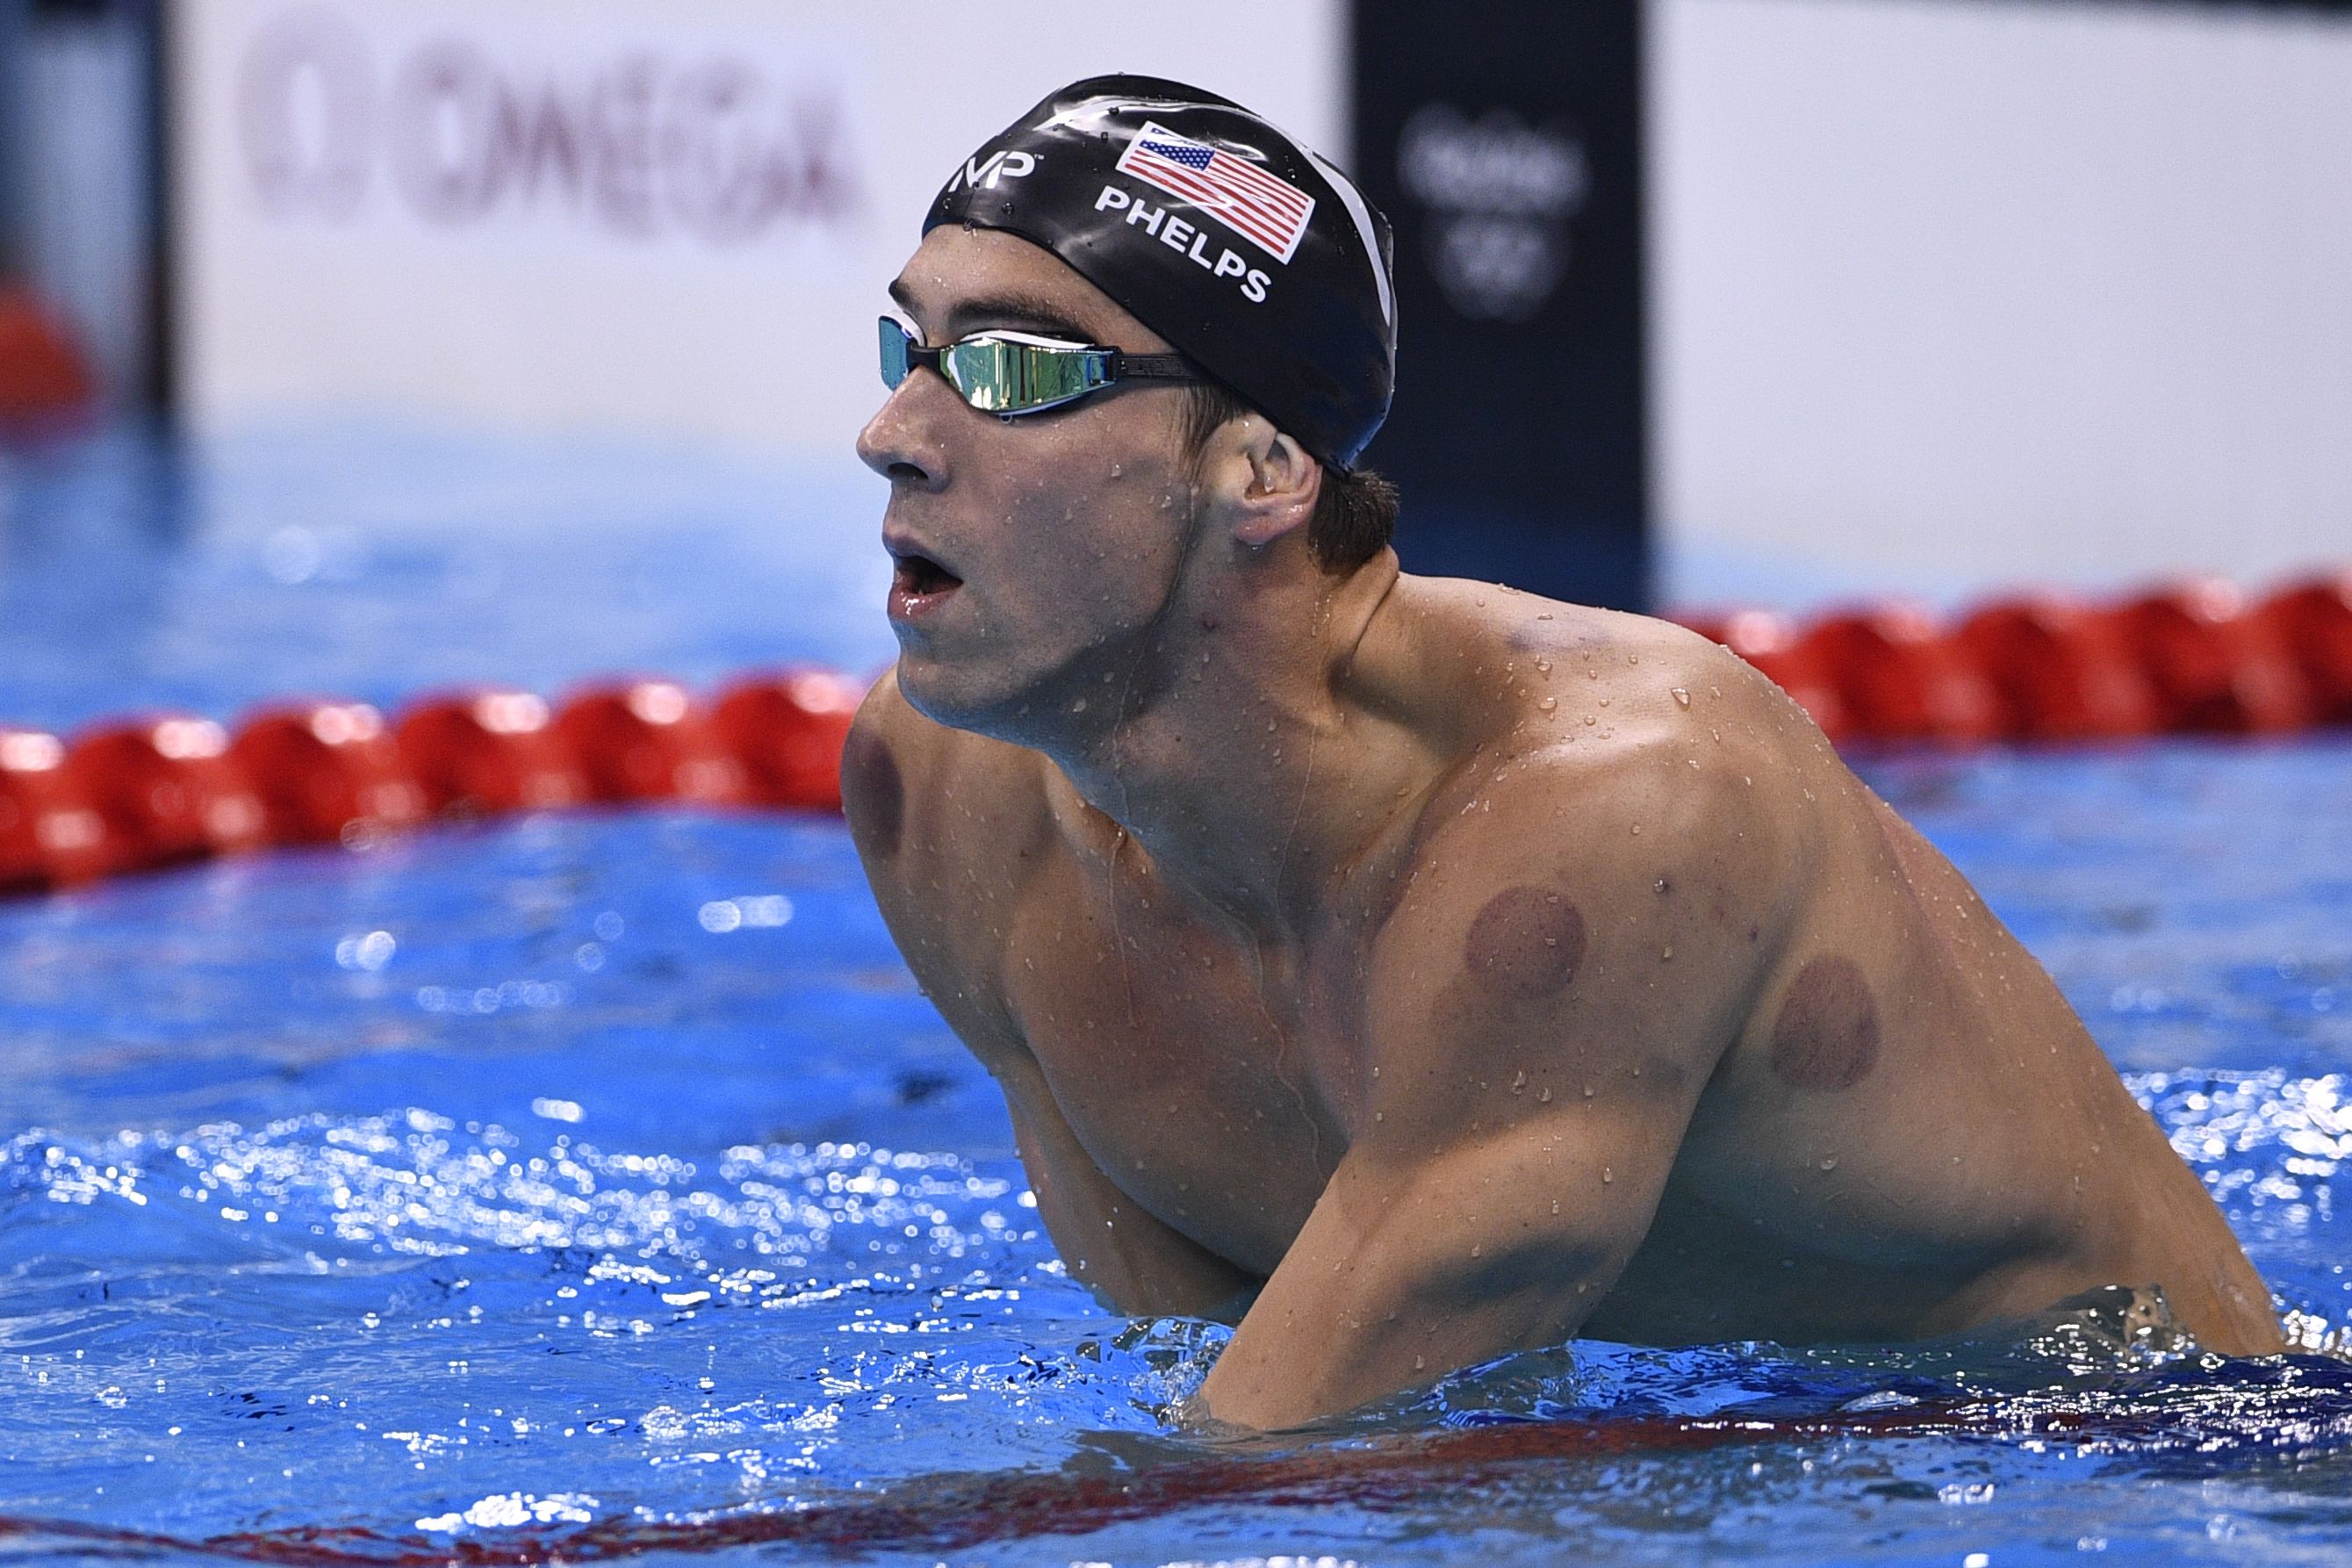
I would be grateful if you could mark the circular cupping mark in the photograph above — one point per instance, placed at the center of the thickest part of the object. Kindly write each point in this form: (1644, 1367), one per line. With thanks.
(1826, 1037)
(1526, 943)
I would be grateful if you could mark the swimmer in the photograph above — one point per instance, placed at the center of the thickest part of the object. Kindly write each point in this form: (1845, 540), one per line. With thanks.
(1409, 970)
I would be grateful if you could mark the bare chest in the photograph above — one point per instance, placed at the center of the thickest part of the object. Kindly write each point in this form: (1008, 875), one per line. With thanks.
(1213, 1079)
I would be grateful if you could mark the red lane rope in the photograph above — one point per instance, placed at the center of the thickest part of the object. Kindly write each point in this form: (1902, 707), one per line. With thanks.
(130, 795)
(44, 379)
(954, 1513)
(2193, 656)
(133, 793)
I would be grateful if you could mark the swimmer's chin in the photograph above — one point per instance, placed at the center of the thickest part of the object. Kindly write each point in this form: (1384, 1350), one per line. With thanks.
(954, 696)
(947, 694)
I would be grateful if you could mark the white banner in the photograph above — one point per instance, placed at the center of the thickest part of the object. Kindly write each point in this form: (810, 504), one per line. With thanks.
(599, 214)
(1949, 296)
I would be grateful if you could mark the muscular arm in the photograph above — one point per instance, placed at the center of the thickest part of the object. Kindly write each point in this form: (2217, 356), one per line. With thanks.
(898, 771)
(1546, 1008)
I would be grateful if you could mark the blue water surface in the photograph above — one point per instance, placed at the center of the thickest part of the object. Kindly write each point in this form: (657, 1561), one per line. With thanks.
(599, 1184)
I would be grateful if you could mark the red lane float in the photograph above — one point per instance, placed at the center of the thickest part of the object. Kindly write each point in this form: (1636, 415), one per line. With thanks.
(1899, 678)
(2060, 671)
(2213, 667)
(2313, 621)
(788, 729)
(42, 375)
(2184, 658)
(477, 753)
(49, 835)
(326, 770)
(127, 794)
(649, 739)
(166, 790)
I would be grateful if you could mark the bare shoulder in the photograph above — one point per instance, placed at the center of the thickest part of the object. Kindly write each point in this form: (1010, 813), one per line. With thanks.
(943, 821)
(908, 783)
(1498, 657)
(1601, 717)
(1631, 824)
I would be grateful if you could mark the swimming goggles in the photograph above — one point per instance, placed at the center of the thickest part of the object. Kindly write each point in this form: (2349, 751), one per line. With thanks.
(1020, 373)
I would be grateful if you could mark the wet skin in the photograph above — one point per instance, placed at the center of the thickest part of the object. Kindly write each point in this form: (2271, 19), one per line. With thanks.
(1419, 969)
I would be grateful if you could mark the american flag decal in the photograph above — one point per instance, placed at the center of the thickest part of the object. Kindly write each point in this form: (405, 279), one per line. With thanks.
(1268, 212)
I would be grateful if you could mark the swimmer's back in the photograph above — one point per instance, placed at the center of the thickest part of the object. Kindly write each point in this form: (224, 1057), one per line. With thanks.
(1911, 1131)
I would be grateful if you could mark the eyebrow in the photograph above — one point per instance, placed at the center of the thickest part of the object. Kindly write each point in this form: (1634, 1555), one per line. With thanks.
(1012, 309)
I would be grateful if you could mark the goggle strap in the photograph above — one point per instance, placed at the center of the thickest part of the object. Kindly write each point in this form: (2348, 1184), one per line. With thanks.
(1152, 367)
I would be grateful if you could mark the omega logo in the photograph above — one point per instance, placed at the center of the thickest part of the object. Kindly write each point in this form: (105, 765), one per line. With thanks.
(305, 107)
(715, 149)
(1499, 194)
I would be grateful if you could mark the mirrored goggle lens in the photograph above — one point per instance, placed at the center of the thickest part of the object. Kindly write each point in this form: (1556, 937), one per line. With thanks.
(895, 344)
(999, 377)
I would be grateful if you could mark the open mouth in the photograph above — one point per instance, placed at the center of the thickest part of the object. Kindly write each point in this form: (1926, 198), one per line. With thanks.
(918, 584)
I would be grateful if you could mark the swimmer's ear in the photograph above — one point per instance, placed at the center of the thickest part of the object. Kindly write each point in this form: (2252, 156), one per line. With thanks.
(1282, 486)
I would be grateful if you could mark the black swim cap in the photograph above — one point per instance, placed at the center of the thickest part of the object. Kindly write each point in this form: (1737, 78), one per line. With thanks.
(1262, 262)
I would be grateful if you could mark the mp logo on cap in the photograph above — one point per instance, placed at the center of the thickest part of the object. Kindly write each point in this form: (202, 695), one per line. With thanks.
(1269, 212)
(999, 165)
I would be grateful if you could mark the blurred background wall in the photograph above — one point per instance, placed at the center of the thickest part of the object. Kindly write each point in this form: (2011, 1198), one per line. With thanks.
(81, 203)
(674, 219)
(1951, 292)
(1773, 299)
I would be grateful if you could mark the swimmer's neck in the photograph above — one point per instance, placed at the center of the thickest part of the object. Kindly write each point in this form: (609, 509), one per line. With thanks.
(1251, 771)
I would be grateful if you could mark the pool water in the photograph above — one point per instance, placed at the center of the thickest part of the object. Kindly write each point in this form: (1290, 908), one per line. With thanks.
(599, 1185)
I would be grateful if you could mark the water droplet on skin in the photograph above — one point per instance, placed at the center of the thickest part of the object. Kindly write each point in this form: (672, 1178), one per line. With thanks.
(1607, 1175)
(1544, 616)
(1079, 705)
(1589, 718)
(1476, 1249)
(1376, 1072)
(1829, 1163)
(1604, 703)
(1379, 1116)
(1546, 1094)
(1418, 1363)
(1544, 665)
(1269, 726)
(1549, 703)
(1555, 1206)
(1659, 886)
(1588, 1092)
(1669, 952)
(1637, 830)
(1715, 691)
(1681, 696)
(1519, 1082)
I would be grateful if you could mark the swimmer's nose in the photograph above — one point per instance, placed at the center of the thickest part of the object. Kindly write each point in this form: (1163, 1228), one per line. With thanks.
(896, 444)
